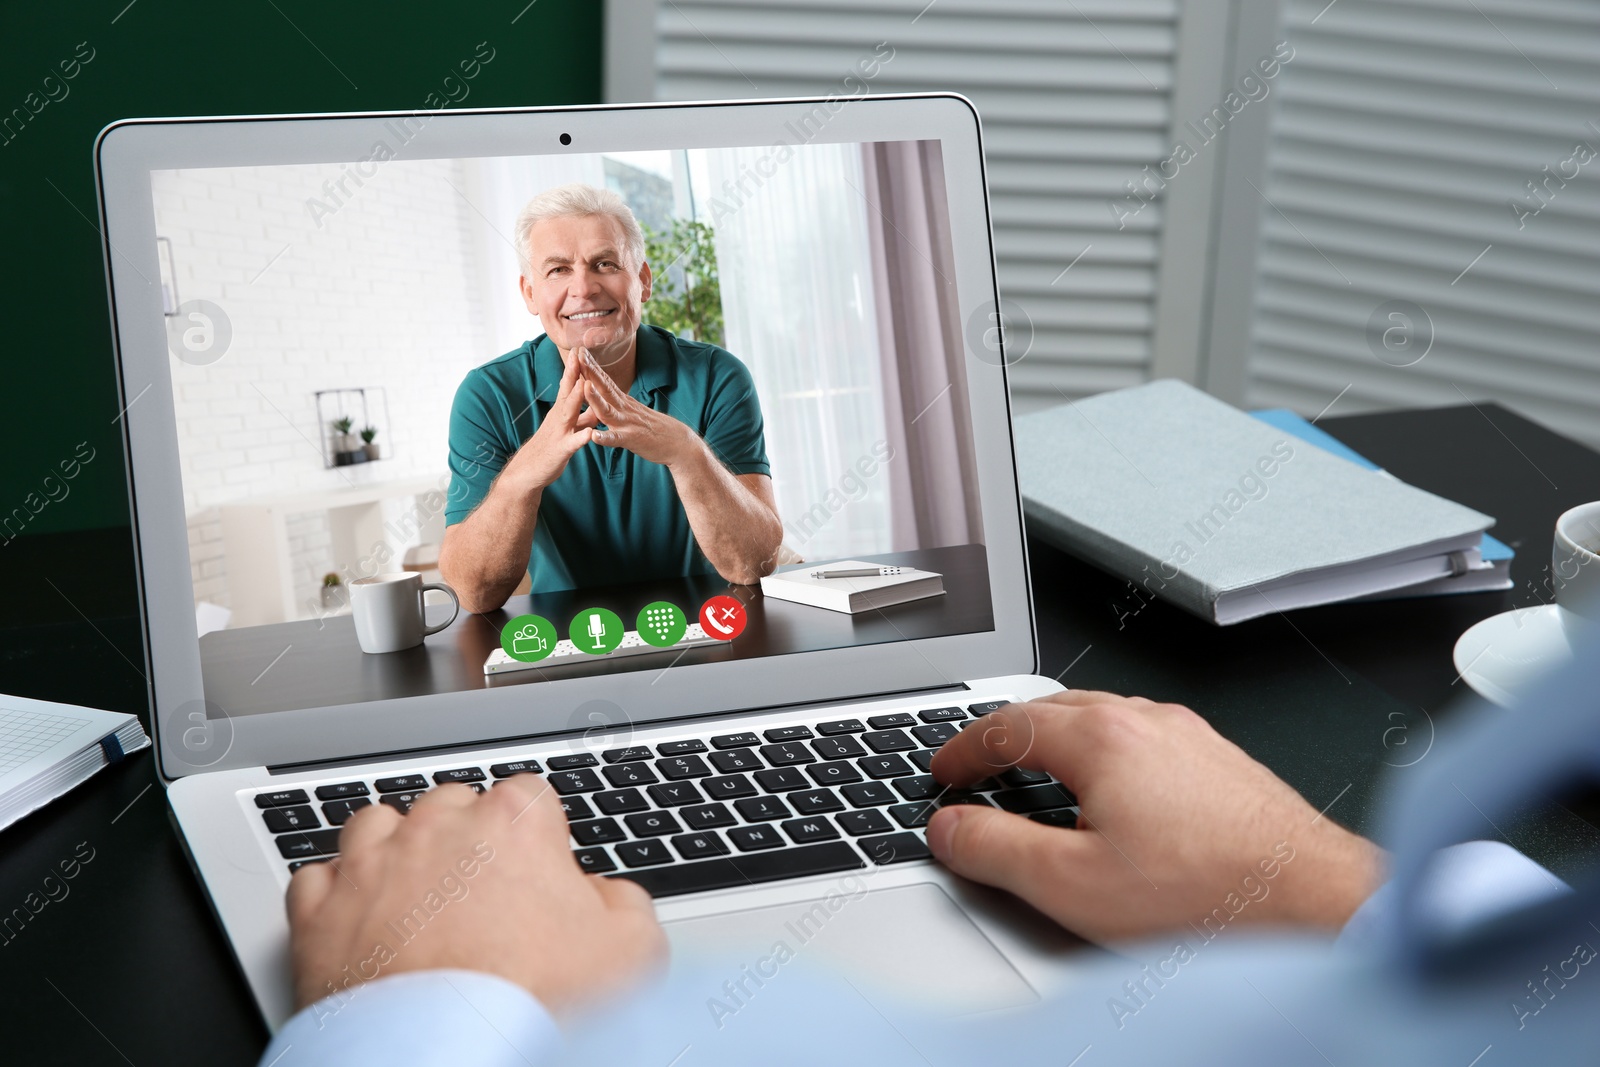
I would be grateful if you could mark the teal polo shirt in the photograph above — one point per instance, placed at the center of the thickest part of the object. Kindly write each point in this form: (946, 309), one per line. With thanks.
(611, 517)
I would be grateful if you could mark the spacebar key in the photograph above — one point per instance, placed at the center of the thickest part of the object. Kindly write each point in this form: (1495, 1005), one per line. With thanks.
(745, 870)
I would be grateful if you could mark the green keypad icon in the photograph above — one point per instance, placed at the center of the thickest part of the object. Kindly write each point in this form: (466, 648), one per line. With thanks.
(596, 631)
(662, 624)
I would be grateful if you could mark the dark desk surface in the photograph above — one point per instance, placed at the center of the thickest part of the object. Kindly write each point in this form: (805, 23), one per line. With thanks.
(131, 968)
(318, 662)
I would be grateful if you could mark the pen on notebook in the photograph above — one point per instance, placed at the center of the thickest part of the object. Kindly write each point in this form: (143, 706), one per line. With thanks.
(849, 572)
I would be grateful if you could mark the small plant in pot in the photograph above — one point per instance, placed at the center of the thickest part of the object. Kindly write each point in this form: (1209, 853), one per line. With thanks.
(345, 449)
(367, 445)
(332, 591)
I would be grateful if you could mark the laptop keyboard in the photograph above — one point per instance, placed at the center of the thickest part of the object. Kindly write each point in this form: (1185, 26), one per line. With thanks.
(721, 811)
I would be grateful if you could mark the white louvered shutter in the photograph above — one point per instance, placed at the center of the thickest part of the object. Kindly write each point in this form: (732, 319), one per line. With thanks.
(1076, 97)
(1405, 130)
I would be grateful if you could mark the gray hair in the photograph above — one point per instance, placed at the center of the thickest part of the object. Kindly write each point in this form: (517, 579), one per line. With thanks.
(576, 200)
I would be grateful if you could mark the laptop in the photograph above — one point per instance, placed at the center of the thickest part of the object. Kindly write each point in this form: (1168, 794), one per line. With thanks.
(281, 284)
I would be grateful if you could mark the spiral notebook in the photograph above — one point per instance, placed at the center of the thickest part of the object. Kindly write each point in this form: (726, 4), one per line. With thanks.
(46, 749)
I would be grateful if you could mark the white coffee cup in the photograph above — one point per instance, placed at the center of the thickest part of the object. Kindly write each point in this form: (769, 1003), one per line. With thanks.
(1575, 565)
(388, 611)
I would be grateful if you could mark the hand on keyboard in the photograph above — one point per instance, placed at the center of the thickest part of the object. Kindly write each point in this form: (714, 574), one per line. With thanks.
(1178, 827)
(480, 882)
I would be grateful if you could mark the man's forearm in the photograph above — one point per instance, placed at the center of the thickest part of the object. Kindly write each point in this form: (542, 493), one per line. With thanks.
(484, 558)
(736, 530)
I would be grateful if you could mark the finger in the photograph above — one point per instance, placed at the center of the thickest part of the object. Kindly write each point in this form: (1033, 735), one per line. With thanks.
(601, 378)
(1085, 697)
(308, 888)
(569, 376)
(587, 420)
(1035, 735)
(623, 895)
(601, 402)
(1043, 865)
(528, 803)
(367, 828)
(452, 795)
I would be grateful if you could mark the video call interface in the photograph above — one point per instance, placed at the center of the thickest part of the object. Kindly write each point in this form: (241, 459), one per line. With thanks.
(454, 424)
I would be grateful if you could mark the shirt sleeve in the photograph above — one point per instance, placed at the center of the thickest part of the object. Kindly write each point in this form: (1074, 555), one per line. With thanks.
(477, 449)
(444, 1016)
(734, 430)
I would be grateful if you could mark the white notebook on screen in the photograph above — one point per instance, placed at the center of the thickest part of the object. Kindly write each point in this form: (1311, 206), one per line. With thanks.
(854, 586)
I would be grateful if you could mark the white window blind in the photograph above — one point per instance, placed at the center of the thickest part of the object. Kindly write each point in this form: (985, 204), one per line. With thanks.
(1405, 132)
(1076, 98)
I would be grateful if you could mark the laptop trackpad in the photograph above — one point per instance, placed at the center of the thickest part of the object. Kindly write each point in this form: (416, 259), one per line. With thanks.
(914, 941)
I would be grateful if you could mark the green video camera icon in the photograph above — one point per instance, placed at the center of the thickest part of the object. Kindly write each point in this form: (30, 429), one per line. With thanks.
(529, 641)
(528, 638)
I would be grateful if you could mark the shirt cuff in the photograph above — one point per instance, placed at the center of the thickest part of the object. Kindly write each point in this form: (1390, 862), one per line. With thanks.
(1467, 884)
(443, 1016)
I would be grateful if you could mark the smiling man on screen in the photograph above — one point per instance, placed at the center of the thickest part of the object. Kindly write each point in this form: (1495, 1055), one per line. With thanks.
(604, 450)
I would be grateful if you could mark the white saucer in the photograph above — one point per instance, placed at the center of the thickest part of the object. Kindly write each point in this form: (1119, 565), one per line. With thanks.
(1501, 655)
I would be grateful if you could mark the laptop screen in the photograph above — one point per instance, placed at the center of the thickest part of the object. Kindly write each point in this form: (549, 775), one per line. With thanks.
(448, 425)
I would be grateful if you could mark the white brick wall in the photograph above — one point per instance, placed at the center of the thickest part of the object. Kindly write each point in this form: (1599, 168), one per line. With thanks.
(387, 292)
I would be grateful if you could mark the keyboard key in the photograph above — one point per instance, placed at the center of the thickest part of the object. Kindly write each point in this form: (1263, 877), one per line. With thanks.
(677, 768)
(573, 762)
(597, 832)
(868, 794)
(815, 801)
(922, 758)
(621, 802)
(788, 754)
(754, 838)
(883, 741)
(630, 774)
(593, 860)
(889, 722)
(506, 770)
(744, 740)
(297, 864)
(728, 787)
(935, 734)
(762, 809)
(941, 714)
(460, 774)
(1062, 817)
(781, 780)
(860, 823)
(568, 782)
(341, 791)
(740, 759)
(299, 846)
(779, 734)
(1035, 798)
(732, 871)
(576, 808)
(914, 815)
(652, 824)
(283, 798)
(833, 773)
(917, 787)
(841, 726)
(632, 754)
(706, 816)
(987, 706)
(285, 820)
(884, 766)
(838, 747)
(674, 794)
(405, 783)
(400, 802)
(643, 853)
(338, 812)
(810, 831)
(895, 848)
(700, 846)
(952, 797)
(682, 748)
(1017, 777)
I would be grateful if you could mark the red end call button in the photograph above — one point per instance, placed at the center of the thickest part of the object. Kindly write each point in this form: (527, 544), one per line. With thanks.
(723, 617)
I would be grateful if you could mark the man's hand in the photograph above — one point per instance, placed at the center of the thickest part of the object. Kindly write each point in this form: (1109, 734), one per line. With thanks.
(484, 883)
(649, 434)
(567, 428)
(1176, 822)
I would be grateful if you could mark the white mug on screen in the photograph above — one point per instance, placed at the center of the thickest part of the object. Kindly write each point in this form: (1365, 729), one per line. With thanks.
(388, 611)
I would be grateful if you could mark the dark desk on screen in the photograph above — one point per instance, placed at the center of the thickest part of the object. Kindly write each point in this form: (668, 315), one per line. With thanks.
(317, 662)
(135, 950)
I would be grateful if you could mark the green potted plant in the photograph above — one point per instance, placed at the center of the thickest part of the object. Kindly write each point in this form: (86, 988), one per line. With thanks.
(332, 591)
(367, 445)
(345, 449)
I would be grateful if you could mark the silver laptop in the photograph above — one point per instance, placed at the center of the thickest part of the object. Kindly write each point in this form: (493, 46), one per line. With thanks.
(281, 284)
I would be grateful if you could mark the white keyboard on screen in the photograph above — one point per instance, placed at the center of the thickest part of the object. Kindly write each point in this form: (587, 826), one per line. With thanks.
(565, 652)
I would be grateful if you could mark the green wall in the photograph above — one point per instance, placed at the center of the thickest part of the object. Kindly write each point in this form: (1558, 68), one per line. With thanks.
(182, 57)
